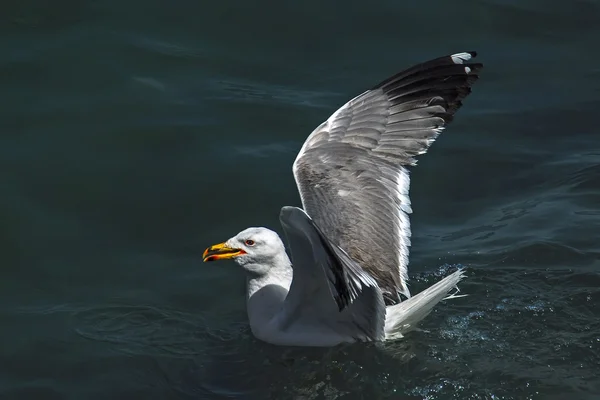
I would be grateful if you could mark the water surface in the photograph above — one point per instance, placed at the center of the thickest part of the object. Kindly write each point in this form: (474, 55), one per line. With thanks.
(135, 134)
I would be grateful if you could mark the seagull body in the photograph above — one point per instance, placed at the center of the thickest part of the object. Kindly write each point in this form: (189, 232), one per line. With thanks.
(349, 243)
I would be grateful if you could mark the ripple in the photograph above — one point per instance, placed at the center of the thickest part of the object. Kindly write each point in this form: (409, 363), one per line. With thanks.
(263, 92)
(481, 232)
(161, 46)
(265, 150)
(540, 252)
(150, 330)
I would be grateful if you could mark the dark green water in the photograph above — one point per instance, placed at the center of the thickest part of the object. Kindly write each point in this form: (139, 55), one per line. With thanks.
(136, 133)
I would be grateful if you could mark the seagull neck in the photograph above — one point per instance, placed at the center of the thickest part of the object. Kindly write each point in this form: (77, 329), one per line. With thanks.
(280, 273)
(265, 295)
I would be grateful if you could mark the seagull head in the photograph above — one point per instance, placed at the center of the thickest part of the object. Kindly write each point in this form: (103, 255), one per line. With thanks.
(255, 249)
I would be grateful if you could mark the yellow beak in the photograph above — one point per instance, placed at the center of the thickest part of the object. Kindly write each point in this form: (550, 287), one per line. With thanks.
(220, 252)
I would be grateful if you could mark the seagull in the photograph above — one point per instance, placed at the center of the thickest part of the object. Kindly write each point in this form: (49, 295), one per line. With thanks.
(349, 243)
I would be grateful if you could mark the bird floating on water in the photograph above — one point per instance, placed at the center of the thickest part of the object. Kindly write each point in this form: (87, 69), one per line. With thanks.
(349, 244)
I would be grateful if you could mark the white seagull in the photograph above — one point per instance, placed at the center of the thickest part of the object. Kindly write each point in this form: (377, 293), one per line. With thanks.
(349, 245)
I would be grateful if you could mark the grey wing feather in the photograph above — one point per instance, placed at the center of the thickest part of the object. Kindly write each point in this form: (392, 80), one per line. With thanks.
(351, 171)
(328, 286)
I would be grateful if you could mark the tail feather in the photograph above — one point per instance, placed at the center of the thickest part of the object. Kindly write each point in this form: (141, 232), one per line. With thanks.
(404, 317)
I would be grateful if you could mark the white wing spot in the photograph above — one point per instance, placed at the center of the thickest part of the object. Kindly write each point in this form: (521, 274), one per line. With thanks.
(467, 70)
(460, 58)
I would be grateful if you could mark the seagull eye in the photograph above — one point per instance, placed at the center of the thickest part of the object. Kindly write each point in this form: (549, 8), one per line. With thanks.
(249, 242)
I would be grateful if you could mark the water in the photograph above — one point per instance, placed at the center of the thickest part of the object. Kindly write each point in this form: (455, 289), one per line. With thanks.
(135, 134)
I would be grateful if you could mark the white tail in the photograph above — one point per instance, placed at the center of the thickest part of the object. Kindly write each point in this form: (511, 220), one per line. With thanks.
(404, 317)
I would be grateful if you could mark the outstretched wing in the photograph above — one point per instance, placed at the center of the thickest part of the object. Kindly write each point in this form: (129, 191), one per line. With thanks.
(351, 171)
(330, 297)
